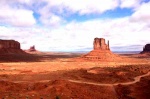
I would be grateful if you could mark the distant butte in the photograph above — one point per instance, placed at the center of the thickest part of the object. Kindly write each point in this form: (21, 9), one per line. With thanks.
(9, 47)
(32, 49)
(146, 49)
(101, 51)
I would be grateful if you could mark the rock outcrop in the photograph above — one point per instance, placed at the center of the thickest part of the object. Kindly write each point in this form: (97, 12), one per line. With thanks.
(32, 48)
(99, 44)
(146, 49)
(100, 52)
(9, 46)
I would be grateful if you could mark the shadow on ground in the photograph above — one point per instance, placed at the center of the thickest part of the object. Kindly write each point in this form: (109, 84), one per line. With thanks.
(34, 57)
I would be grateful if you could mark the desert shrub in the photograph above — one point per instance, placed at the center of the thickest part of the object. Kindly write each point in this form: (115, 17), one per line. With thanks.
(57, 97)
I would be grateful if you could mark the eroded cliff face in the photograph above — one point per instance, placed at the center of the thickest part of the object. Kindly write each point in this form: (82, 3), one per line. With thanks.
(146, 49)
(9, 46)
(99, 44)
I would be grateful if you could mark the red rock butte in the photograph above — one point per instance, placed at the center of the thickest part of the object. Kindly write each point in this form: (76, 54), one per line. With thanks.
(99, 44)
(32, 49)
(101, 51)
(10, 46)
(146, 49)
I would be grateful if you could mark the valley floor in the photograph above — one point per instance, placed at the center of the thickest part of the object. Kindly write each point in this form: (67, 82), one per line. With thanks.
(65, 76)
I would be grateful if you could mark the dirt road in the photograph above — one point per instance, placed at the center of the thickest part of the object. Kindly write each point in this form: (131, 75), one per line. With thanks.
(136, 79)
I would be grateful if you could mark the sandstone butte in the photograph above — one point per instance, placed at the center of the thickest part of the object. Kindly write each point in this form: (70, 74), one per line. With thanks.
(101, 51)
(146, 49)
(32, 49)
(9, 47)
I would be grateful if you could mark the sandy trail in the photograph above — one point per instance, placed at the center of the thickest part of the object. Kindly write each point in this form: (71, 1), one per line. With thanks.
(136, 79)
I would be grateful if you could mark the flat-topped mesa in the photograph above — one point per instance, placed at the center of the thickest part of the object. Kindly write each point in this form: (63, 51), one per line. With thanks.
(146, 49)
(99, 44)
(10, 46)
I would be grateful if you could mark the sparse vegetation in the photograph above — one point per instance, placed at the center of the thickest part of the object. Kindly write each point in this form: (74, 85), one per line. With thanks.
(57, 97)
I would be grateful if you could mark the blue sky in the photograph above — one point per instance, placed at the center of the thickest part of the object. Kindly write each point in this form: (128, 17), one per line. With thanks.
(62, 25)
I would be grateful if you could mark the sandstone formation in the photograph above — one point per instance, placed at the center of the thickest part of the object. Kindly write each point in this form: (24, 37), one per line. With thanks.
(9, 46)
(101, 51)
(32, 48)
(146, 49)
(6, 44)
(99, 44)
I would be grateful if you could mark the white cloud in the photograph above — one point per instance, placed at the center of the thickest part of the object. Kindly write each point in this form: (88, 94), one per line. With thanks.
(51, 20)
(52, 13)
(48, 18)
(24, 1)
(15, 17)
(130, 3)
(141, 14)
(85, 7)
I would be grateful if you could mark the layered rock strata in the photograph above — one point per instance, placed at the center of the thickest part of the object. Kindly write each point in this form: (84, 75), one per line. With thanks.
(99, 44)
(9, 46)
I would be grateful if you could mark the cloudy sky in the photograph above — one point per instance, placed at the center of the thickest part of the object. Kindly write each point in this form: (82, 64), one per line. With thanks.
(71, 25)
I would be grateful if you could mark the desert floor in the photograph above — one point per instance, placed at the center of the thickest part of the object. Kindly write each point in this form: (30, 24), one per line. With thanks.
(65, 76)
